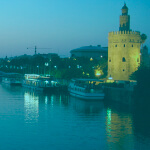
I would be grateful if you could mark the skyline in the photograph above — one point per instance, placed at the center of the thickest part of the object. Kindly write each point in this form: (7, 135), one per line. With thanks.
(60, 26)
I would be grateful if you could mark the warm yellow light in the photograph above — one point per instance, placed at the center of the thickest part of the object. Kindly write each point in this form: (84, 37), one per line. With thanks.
(97, 72)
(91, 59)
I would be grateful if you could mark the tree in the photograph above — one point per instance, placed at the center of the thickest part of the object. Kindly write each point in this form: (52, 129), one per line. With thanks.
(143, 38)
(142, 76)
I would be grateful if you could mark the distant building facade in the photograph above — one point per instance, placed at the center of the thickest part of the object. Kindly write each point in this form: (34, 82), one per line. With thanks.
(95, 52)
(49, 55)
(123, 49)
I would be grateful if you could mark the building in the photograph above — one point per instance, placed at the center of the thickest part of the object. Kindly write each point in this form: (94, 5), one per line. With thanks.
(123, 49)
(90, 52)
(145, 59)
(49, 55)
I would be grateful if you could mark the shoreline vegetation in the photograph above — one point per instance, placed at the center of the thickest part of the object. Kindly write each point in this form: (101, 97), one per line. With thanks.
(62, 68)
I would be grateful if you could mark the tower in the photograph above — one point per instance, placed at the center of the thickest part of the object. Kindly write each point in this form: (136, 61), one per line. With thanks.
(123, 49)
(124, 19)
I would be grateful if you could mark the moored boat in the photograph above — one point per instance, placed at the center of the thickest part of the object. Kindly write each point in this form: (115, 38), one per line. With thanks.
(12, 79)
(40, 83)
(90, 89)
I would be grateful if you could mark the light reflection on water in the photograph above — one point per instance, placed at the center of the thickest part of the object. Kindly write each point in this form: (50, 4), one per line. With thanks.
(119, 131)
(31, 105)
(31, 120)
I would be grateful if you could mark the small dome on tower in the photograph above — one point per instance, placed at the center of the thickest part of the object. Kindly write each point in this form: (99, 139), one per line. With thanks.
(124, 10)
(125, 7)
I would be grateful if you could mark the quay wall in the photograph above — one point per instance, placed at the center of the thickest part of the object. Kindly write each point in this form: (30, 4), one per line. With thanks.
(120, 95)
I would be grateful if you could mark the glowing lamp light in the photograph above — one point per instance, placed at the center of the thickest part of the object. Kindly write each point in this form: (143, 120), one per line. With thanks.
(110, 78)
(97, 73)
(46, 82)
(46, 64)
(91, 59)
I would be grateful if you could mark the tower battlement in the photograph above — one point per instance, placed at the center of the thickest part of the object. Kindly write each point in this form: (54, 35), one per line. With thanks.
(124, 33)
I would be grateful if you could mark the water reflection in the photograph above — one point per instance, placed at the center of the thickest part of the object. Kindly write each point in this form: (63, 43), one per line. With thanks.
(12, 89)
(119, 130)
(59, 118)
(34, 102)
(86, 107)
(31, 105)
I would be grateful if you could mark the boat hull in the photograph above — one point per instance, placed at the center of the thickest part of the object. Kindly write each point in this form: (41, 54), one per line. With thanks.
(90, 89)
(88, 96)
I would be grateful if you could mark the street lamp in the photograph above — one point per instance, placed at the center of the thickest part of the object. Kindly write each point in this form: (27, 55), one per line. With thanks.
(38, 69)
(46, 65)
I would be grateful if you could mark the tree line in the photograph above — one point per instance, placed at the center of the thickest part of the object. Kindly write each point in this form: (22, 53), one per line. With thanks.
(65, 68)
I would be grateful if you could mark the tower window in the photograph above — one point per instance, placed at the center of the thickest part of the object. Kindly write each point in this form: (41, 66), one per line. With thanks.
(123, 70)
(109, 59)
(124, 45)
(137, 59)
(123, 59)
(116, 45)
(132, 45)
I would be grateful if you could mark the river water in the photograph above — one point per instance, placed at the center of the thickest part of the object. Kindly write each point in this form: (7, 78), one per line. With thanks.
(36, 121)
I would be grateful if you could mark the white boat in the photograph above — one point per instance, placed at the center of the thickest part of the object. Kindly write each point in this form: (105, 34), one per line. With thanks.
(40, 83)
(12, 79)
(89, 89)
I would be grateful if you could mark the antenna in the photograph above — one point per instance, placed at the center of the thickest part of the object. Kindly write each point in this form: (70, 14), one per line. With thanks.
(35, 49)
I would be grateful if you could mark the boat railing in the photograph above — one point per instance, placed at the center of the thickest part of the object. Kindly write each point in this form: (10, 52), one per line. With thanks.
(90, 90)
(94, 89)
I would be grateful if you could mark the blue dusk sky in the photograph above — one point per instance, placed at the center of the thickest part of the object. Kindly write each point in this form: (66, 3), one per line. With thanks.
(62, 25)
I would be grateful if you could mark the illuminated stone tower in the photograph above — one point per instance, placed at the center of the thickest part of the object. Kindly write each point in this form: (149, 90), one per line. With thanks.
(124, 19)
(123, 49)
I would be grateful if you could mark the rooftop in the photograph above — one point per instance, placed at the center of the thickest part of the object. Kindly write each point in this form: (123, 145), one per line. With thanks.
(124, 7)
(90, 48)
